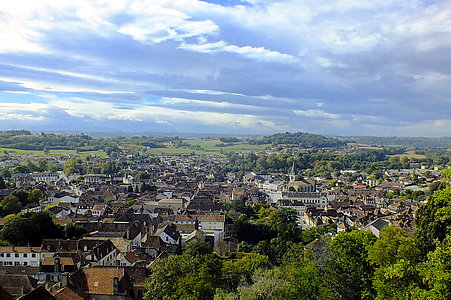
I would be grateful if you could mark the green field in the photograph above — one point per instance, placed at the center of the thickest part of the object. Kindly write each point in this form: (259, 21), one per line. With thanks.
(56, 152)
(205, 147)
(214, 145)
(159, 151)
(410, 154)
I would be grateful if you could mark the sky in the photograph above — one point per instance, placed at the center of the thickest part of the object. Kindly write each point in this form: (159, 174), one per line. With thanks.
(333, 67)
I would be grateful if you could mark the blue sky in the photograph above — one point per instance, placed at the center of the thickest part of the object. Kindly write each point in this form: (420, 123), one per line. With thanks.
(336, 67)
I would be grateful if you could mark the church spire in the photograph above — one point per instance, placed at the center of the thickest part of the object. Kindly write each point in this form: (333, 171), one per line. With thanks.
(292, 173)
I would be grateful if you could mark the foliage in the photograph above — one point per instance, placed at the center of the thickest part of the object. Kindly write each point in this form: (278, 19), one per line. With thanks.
(348, 272)
(29, 229)
(433, 220)
(184, 277)
(240, 271)
(74, 231)
(2, 183)
(300, 139)
(198, 247)
(395, 257)
(10, 205)
(436, 272)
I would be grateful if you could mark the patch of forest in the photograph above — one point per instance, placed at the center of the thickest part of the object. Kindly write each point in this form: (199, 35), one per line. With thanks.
(437, 142)
(299, 139)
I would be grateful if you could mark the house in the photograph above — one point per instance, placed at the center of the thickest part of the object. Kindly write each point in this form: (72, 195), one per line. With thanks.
(20, 256)
(169, 235)
(46, 177)
(17, 284)
(377, 225)
(99, 210)
(115, 283)
(52, 268)
(102, 282)
(38, 293)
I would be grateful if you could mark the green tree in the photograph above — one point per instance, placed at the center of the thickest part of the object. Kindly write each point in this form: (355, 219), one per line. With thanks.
(2, 183)
(348, 272)
(433, 220)
(35, 196)
(241, 270)
(395, 258)
(436, 273)
(198, 247)
(267, 284)
(74, 231)
(29, 229)
(184, 277)
(11, 205)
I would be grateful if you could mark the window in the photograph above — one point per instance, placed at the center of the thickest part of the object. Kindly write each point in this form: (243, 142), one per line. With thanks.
(2, 254)
(8, 254)
(24, 255)
(24, 263)
(16, 254)
(33, 255)
(16, 263)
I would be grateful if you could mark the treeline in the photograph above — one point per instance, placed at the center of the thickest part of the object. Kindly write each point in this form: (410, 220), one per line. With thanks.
(315, 160)
(24, 140)
(277, 260)
(299, 139)
(439, 142)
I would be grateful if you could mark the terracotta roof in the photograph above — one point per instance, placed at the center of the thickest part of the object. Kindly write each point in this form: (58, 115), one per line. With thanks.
(200, 218)
(66, 261)
(68, 293)
(17, 284)
(6, 249)
(99, 281)
(61, 222)
(38, 293)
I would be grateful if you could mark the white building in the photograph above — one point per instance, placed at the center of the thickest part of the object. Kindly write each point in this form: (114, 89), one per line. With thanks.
(20, 256)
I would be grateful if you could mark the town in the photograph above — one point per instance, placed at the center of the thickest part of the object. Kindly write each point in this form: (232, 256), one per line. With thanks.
(96, 224)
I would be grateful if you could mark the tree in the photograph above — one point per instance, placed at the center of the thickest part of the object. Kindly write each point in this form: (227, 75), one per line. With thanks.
(184, 277)
(395, 257)
(22, 196)
(74, 231)
(198, 247)
(433, 220)
(35, 196)
(267, 284)
(436, 272)
(29, 229)
(241, 270)
(11, 205)
(2, 183)
(348, 272)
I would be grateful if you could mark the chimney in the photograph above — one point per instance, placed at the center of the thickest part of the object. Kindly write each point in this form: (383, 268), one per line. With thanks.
(115, 285)
(57, 264)
(64, 279)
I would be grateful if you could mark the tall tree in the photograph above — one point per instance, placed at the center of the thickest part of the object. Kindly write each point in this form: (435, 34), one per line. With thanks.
(395, 257)
(10, 205)
(348, 272)
(433, 220)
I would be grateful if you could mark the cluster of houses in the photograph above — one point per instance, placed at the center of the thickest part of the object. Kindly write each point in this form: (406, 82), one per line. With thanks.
(128, 227)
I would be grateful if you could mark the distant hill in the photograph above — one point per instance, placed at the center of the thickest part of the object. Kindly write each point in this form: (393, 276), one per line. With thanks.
(299, 139)
(440, 142)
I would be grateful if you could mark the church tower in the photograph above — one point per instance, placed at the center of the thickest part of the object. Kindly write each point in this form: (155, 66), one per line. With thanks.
(292, 173)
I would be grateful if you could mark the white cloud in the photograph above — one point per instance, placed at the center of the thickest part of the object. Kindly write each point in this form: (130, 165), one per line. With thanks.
(316, 113)
(259, 53)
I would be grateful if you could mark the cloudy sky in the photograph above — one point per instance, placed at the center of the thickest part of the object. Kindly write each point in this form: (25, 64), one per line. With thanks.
(336, 67)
